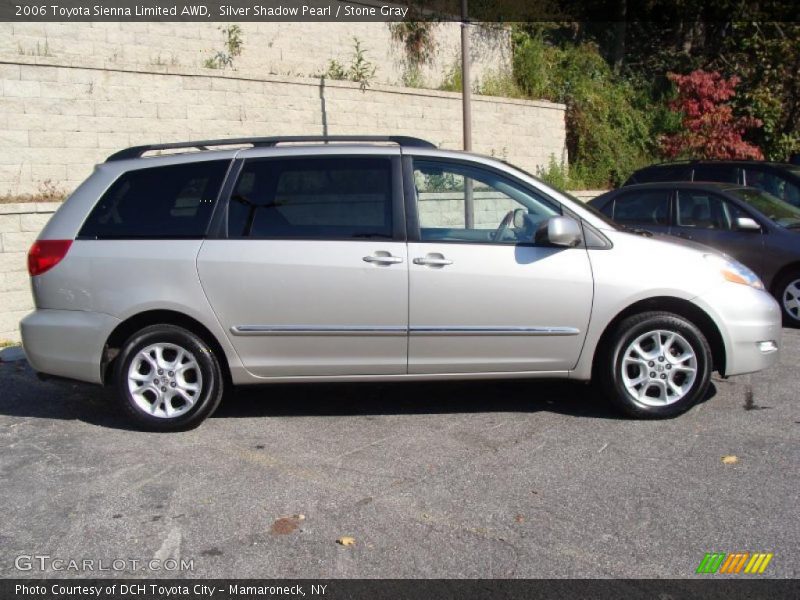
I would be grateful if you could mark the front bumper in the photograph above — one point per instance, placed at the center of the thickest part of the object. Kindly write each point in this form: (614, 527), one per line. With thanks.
(748, 320)
(66, 343)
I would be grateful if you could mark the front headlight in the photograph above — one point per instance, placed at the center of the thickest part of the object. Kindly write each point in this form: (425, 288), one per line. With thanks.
(734, 271)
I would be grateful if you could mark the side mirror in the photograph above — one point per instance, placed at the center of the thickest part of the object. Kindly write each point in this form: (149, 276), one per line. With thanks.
(559, 231)
(747, 224)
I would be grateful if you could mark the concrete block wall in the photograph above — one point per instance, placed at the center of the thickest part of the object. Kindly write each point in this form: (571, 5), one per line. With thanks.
(285, 49)
(19, 226)
(58, 120)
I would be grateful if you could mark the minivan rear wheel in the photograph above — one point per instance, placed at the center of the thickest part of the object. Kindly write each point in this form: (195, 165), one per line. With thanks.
(657, 365)
(167, 378)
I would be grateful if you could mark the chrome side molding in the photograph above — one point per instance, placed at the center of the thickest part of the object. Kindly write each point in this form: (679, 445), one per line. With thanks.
(392, 330)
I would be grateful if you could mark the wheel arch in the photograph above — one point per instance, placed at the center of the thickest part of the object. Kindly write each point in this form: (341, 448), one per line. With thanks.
(156, 317)
(793, 267)
(679, 306)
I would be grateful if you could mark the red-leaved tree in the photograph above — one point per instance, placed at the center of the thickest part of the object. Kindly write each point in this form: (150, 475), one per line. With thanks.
(710, 129)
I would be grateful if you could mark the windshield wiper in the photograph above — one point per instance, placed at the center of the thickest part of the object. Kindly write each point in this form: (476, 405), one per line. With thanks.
(637, 231)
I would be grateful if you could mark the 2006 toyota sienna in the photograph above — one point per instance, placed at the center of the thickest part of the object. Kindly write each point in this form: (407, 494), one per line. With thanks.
(352, 258)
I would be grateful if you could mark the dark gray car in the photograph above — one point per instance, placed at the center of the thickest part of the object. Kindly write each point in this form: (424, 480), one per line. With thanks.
(746, 223)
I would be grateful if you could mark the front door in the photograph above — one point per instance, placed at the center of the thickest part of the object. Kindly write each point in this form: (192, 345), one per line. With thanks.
(707, 218)
(483, 296)
(312, 279)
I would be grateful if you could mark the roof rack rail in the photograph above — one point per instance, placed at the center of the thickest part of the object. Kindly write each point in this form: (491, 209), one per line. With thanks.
(266, 142)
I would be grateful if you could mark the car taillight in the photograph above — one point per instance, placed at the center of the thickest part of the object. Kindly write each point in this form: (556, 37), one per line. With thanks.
(46, 254)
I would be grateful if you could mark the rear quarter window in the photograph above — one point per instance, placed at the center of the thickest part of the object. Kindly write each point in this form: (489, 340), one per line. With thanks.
(659, 174)
(174, 201)
(721, 173)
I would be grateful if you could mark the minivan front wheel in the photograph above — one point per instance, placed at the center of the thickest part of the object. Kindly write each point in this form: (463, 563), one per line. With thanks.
(167, 378)
(658, 365)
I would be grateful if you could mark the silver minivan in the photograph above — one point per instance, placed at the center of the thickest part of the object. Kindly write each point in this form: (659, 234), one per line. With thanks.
(351, 258)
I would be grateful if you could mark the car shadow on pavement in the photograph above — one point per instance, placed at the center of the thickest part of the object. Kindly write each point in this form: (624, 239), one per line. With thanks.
(23, 395)
(435, 397)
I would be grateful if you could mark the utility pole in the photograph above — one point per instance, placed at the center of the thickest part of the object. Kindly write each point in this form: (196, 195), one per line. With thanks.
(466, 107)
(465, 80)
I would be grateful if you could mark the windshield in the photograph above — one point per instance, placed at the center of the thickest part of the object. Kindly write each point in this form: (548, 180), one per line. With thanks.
(779, 211)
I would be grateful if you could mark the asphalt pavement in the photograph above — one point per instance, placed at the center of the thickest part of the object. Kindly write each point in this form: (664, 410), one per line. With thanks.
(468, 479)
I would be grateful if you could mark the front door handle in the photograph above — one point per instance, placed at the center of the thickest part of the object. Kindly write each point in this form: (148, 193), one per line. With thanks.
(433, 261)
(383, 258)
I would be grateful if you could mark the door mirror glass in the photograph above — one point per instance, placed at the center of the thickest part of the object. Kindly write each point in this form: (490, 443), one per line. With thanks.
(747, 224)
(559, 231)
(521, 220)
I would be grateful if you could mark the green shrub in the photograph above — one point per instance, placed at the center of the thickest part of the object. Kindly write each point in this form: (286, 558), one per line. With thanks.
(609, 124)
(452, 79)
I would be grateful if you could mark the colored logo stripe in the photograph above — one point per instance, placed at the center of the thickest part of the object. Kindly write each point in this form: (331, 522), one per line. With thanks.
(758, 563)
(711, 562)
(733, 563)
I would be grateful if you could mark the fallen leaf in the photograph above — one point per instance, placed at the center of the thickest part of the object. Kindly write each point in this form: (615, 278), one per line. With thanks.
(286, 525)
(730, 459)
(346, 540)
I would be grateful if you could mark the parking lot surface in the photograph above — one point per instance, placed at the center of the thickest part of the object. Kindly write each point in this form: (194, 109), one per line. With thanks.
(469, 479)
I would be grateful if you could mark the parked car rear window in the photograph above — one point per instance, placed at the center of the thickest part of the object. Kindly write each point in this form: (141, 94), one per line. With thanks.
(643, 207)
(313, 198)
(158, 202)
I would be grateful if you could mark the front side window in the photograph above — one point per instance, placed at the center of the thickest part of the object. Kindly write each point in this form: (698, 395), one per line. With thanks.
(457, 202)
(313, 198)
(158, 202)
(642, 207)
(782, 213)
(702, 210)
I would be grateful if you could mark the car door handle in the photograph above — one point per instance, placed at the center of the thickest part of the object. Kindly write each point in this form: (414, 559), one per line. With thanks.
(383, 259)
(431, 261)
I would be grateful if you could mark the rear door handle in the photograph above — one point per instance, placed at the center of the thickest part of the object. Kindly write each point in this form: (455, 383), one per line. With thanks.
(432, 261)
(383, 259)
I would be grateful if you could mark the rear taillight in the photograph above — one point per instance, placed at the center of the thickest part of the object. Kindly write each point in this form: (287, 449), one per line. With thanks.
(46, 254)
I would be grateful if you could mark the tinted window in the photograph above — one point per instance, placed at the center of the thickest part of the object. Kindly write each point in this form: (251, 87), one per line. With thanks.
(317, 198)
(723, 173)
(656, 174)
(773, 184)
(643, 207)
(703, 210)
(172, 201)
(780, 212)
(462, 203)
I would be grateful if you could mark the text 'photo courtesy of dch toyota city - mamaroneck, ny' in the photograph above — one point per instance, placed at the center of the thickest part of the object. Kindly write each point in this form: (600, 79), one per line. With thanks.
(358, 299)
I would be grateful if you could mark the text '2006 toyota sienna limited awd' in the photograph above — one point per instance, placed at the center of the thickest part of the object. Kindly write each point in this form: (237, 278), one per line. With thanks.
(350, 258)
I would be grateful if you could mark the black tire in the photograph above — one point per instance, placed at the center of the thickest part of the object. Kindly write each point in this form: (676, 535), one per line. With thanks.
(610, 367)
(204, 373)
(788, 289)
